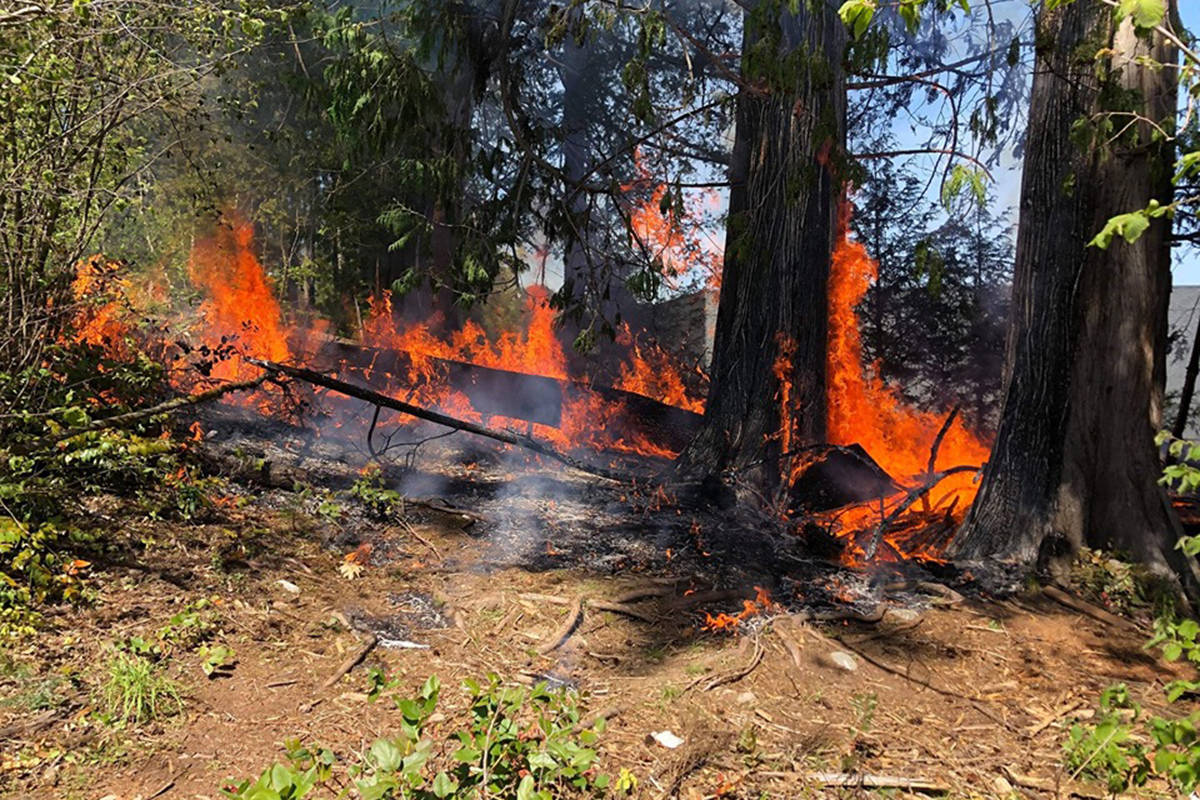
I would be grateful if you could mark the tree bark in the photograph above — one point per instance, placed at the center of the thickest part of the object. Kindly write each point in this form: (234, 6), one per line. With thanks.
(779, 239)
(1074, 462)
(1189, 387)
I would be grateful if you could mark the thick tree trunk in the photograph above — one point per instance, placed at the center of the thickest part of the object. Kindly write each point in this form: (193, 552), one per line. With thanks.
(1189, 387)
(771, 322)
(1074, 461)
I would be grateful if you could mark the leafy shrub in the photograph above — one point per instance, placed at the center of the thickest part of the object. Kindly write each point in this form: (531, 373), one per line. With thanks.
(519, 744)
(1122, 748)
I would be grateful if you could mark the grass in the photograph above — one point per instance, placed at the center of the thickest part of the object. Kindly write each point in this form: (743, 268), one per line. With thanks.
(137, 691)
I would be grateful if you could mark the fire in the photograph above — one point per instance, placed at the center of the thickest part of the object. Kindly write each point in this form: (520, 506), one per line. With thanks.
(862, 409)
(240, 307)
(652, 372)
(588, 419)
(761, 604)
(680, 244)
(100, 314)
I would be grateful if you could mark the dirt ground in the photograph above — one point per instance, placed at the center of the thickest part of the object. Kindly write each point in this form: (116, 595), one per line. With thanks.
(971, 697)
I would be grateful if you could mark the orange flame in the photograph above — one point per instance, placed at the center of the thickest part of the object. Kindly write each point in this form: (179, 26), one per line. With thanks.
(862, 409)
(240, 307)
(678, 243)
(761, 604)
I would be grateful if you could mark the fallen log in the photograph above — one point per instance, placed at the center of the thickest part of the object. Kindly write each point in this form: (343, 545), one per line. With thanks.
(377, 399)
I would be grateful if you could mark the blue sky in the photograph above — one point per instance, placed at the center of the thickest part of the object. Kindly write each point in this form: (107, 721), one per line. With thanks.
(1187, 266)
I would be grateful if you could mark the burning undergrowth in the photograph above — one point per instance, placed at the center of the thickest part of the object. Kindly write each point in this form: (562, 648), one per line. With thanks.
(890, 489)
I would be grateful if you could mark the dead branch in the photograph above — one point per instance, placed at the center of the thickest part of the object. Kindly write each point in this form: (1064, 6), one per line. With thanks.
(599, 605)
(174, 404)
(568, 627)
(933, 450)
(909, 499)
(864, 781)
(377, 399)
(352, 660)
(1087, 609)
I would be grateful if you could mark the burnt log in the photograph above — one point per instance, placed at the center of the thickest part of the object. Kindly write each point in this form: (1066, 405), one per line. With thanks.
(518, 395)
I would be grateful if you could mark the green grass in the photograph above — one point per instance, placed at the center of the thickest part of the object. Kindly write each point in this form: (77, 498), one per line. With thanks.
(136, 690)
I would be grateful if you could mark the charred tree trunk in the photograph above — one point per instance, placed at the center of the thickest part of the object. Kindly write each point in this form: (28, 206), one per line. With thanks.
(1074, 461)
(1189, 387)
(771, 321)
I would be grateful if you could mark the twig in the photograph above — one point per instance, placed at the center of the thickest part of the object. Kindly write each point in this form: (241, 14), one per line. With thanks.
(734, 676)
(909, 499)
(864, 781)
(933, 450)
(599, 605)
(167, 407)
(413, 533)
(352, 660)
(560, 636)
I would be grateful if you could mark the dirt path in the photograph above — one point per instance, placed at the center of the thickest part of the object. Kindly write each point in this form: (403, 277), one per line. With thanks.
(972, 697)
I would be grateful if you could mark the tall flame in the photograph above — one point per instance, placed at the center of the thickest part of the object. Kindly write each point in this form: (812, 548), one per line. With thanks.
(240, 307)
(862, 409)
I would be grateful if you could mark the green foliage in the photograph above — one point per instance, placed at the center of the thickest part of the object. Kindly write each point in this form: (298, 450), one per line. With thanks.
(379, 500)
(1115, 582)
(137, 690)
(519, 744)
(1122, 748)
(1108, 750)
(216, 660)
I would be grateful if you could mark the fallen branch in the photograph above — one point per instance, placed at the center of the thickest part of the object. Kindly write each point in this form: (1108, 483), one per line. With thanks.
(1053, 787)
(352, 660)
(174, 404)
(377, 399)
(913, 495)
(599, 605)
(1087, 609)
(864, 781)
(568, 627)
(738, 674)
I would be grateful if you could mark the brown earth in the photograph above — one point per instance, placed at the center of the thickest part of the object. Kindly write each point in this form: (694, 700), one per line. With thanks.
(973, 697)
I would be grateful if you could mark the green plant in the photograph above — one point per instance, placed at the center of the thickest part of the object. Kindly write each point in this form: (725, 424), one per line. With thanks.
(1108, 750)
(216, 660)
(137, 690)
(379, 500)
(191, 626)
(518, 744)
(864, 705)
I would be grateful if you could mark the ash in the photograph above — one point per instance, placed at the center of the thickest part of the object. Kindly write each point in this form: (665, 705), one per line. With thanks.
(537, 515)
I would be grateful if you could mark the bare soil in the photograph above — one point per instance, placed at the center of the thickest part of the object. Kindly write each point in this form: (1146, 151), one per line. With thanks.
(972, 696)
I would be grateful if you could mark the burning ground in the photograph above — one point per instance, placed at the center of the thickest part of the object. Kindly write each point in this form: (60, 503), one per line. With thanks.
(779, 675)
(814, 643)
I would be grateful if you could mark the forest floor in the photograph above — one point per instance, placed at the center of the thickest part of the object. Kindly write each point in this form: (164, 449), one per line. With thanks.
(971, 697)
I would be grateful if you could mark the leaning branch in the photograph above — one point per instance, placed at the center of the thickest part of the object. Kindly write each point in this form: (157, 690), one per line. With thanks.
(162, 408)
(377, 399)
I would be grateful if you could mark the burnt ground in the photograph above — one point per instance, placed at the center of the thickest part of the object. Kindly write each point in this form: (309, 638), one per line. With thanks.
(477, 569)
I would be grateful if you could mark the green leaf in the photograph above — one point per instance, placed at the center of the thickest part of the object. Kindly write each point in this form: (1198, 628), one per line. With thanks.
(1129, 227)
(444, 785)
(1145, 13)
(525, 788)
(857, 16)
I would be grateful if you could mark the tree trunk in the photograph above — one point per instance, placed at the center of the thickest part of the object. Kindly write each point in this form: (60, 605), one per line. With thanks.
(1189, 388)
(768, 374)
(1074, 461)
